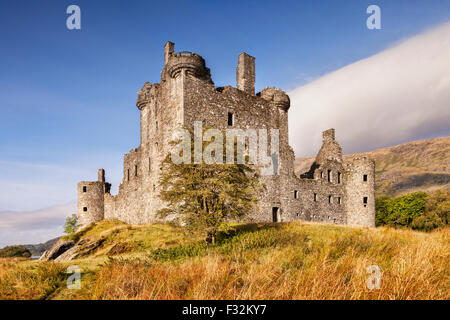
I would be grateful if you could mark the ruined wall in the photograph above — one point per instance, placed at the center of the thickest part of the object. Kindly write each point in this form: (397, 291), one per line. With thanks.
(268, 110)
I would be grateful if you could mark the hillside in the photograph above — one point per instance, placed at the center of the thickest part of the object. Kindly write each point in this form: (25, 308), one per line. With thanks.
(254, 261)
(38, 249)
(413, 166)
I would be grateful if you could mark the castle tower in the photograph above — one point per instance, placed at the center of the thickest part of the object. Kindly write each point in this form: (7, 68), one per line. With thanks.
(91, 199)
(360, 192)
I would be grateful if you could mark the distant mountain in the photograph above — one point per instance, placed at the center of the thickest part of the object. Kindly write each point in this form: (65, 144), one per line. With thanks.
(38, 249)
(413, 166)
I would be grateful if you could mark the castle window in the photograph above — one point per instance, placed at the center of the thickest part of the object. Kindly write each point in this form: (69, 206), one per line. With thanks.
(135, 171)
(84, 188)
(365, 201)
(315, 197)
(365, 178)
(84, 209)
(230, 119)
(321, 174)
(156, 125)
(329, 175)
(339, 200)
(329, 199)
(339, 177)
(295, 194)
(128, 174)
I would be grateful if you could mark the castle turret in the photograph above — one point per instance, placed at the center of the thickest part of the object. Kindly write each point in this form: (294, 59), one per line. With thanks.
(360, 192)
(184, 62)
(91, 199)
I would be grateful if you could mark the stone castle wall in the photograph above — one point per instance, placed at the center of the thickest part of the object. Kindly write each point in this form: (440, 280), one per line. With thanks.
(331, 191)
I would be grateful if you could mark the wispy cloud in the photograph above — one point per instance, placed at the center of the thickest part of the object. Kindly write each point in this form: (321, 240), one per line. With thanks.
(397, 95)
(24, 227)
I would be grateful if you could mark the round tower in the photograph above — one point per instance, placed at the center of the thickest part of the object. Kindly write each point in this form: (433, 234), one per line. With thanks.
(188, 62)
(360, 192)
(91, 200)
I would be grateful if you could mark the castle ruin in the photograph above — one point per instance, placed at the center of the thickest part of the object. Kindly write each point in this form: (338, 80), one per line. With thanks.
(332, 191)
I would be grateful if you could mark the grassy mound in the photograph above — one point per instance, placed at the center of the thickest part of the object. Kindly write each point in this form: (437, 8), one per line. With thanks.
(253, 261)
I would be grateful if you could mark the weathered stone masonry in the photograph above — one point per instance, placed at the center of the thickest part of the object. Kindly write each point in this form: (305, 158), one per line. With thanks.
(331, 191)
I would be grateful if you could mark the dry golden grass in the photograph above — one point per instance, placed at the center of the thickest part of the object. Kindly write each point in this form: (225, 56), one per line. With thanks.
(265, 261)
(25, 280)
(414, 265)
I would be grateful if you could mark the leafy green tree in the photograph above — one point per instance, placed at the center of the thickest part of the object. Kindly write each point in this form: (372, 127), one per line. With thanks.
(205, 197)
(71, 224)
(402, 210)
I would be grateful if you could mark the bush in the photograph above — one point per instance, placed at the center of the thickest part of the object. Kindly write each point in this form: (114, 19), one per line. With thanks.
(15, 251)
(437, 212)
(419, 210)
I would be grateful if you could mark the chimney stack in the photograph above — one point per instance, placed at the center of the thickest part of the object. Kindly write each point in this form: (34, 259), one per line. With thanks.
(245, 73)
(101, 175)
(169, 47)
(328, 135)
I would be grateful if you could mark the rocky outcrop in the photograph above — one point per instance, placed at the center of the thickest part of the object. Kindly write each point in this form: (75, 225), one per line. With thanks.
(57, 249)
(81, 249)
(63, 250)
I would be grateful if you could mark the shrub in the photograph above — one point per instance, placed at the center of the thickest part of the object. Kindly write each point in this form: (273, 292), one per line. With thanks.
(419, 210)
(15, 251)
(437, 212)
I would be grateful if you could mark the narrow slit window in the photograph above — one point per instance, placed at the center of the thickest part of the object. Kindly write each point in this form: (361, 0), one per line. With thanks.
(365, 201)
(365, 178)
(329, 175)
(339, 200)
(128, 174)
(315, 197)
(135, 170)
(329, 199)
(321, 174)
(84, 188)
(295, 194)
(339, 177)
(230, 119)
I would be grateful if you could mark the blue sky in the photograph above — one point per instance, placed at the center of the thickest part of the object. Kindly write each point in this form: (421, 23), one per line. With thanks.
(67, 97)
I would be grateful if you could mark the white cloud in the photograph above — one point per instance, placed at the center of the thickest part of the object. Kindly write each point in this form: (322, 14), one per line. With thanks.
(397, 95)
(31, 227)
